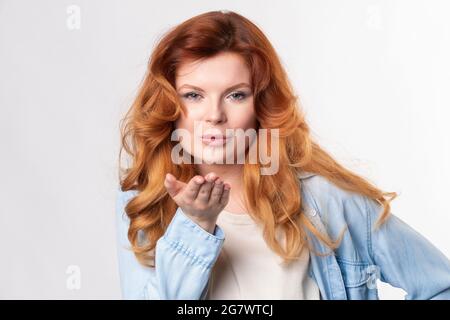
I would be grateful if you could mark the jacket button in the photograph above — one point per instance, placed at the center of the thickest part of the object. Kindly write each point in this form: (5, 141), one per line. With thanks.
(313, 212)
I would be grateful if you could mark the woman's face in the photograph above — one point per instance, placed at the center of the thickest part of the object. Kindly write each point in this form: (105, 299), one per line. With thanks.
(217, 95)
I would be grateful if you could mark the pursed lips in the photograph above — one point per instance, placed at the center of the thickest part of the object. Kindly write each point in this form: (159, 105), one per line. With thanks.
(214, 137)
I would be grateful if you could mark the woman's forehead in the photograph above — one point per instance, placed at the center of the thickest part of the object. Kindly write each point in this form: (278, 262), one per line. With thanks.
(222, 70)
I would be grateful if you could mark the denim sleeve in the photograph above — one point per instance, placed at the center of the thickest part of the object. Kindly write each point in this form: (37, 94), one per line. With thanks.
(406, 259)
(185, 255)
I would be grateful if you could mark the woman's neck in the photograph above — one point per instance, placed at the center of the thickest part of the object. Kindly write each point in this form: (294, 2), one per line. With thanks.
(229, 173)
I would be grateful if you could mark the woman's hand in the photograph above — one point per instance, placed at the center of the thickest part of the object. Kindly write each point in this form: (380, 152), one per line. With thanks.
(202, 199)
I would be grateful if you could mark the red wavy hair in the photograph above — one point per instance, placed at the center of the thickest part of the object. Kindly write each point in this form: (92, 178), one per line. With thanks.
(274, 201)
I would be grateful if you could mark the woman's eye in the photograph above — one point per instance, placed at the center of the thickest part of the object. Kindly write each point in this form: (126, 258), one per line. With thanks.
(238, 96)
(191, 96)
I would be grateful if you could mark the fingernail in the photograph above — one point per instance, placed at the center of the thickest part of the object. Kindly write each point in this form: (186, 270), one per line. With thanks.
(199, 180)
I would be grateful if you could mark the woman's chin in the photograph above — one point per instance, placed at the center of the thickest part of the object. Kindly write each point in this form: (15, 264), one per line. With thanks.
(212, 160)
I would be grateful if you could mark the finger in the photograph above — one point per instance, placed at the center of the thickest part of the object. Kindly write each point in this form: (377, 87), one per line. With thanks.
(193, 187)
(172, 185)
(216, 192)
(225, 194)
(205, 190)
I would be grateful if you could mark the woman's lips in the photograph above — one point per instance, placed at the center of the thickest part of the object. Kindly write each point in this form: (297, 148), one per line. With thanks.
(214, 140)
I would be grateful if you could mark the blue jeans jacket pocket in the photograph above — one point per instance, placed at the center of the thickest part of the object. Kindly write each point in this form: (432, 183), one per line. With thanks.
(360, 279)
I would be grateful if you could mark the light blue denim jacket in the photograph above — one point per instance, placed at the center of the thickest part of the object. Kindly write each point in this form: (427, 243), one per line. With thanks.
(394, 253)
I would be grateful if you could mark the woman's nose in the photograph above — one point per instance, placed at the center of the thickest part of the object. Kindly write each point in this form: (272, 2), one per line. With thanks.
(215, 113)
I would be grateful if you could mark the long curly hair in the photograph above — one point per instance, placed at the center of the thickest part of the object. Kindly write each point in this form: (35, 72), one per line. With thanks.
(274, 201)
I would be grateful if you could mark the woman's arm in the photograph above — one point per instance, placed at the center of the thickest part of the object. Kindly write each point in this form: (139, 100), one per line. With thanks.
(184, 258)
(406, 259)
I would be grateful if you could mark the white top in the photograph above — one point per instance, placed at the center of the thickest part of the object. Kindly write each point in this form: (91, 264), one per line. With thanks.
(248, 269)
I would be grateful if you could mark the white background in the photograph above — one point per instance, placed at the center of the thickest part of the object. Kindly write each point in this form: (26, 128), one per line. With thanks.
(373, 77)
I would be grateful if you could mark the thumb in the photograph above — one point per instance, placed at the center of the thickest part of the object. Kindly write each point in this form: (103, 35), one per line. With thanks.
(172, 185)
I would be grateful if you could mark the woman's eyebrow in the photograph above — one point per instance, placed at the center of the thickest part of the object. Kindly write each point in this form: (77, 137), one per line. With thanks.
(242, 84)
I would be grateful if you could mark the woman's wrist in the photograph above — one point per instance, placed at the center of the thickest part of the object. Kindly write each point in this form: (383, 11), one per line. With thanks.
(209, 226)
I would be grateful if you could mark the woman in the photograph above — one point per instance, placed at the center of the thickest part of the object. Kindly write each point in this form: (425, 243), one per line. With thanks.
(204, 225)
